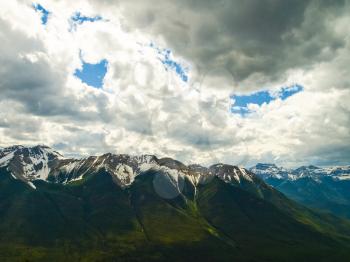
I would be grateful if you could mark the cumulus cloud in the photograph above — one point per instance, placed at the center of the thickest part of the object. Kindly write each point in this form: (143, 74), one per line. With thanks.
(143, 106)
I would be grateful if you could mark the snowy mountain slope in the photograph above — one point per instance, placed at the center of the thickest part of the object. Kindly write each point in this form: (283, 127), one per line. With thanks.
(29, 163)
(124, 168)
(43, 163)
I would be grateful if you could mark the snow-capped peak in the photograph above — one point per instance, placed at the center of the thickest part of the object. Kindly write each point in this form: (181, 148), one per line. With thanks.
(29, 163)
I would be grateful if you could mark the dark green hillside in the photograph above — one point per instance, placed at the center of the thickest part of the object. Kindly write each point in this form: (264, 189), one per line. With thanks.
(259, 227)
(94, 219)
(328, 195)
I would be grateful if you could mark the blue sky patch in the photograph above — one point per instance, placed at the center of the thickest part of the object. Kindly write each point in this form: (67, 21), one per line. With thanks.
(92, 74)
(166, 58)
(256, 98)
(241, 102)
(44, 13)
(289, 91)
(77, 19)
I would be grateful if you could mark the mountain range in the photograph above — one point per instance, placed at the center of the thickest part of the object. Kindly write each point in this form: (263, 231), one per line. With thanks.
(323, 188)
(266, 171)
(117, 207)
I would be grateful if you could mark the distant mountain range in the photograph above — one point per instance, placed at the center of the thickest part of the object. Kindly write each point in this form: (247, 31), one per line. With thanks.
(266, 171)
(143, 208)
(327, 189)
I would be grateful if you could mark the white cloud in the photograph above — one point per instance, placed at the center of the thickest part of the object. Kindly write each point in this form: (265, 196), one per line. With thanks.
(143, 108)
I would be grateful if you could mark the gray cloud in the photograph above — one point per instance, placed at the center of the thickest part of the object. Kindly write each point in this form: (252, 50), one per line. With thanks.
(245, 37)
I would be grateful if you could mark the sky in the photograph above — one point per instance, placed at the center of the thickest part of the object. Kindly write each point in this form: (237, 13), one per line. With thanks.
(237, 82)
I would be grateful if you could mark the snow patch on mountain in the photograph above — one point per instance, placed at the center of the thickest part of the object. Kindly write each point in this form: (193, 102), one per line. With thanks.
(245, 174)
(31, 185)
(4, 160)
(68, 168)
(342, 177)
(125, 174)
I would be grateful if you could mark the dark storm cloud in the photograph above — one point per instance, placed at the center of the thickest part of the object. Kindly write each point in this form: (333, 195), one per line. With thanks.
(245, 37)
